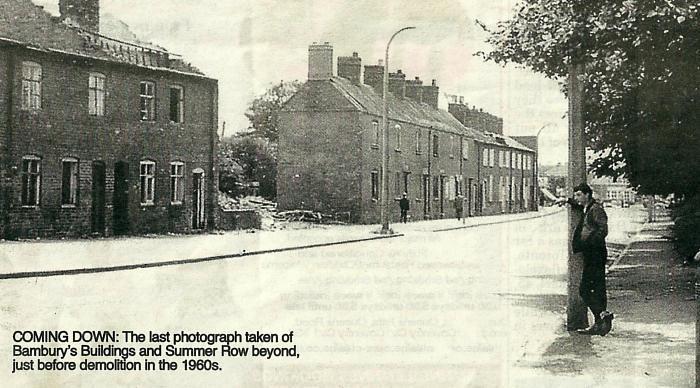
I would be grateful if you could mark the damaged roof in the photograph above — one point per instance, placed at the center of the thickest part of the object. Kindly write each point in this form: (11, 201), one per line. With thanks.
(24, 23)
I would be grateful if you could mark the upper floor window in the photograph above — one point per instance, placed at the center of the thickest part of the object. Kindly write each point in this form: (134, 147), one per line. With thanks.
(501, 158)
(465, 148)
(397, 128)
(377, 134)
(492, 157)
(177, 104)
(31, 180)
(452, 146)
(69, 181)
(419, 148)
(485, 157)
(148, 182)
(177, 182)
(148, 100)
(96, 94)
(436, 145)
(31, 85)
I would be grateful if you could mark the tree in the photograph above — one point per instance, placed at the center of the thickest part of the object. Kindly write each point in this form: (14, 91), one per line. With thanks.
(257, 160)
(263, 112)
(641, 80)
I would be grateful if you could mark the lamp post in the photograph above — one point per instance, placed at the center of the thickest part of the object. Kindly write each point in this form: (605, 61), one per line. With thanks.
(537, 165)
(385, 139)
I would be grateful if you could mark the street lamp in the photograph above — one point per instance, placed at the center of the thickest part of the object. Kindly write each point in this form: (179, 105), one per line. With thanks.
(537, 163)
(385, 139)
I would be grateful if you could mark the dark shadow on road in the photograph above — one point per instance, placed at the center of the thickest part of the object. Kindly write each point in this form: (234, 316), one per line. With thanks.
(553, 303)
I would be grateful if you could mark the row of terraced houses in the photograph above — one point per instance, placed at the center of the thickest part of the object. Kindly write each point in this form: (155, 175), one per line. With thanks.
(330, 147)
(97, 135)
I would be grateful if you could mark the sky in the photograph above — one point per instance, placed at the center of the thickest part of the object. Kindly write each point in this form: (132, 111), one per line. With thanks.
(249, 45)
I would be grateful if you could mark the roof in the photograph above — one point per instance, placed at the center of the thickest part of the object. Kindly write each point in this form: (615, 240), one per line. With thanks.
(367, 100)
(26, 24)
(558, 170)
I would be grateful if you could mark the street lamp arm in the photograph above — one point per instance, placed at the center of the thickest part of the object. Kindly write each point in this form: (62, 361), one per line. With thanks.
(396, 33)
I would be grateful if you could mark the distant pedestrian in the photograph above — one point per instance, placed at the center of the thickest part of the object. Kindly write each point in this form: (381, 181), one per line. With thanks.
(404, 205)
(589, 239)
(459, 206)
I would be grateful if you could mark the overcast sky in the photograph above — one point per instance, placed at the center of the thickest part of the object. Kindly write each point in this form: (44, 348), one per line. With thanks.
(250, 44)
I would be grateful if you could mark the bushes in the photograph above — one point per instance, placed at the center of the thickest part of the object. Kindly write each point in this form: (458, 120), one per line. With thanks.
(686, 228)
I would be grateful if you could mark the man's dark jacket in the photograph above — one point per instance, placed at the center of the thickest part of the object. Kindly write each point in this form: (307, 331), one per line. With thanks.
(404, 204)
(589, 235)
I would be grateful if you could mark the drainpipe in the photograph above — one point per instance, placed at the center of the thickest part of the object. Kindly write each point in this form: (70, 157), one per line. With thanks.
(479, 190)
(212, 182)
(429, 190)
(6, 174)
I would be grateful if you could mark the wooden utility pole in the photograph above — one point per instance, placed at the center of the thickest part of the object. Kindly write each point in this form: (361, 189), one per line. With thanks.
(576, 310)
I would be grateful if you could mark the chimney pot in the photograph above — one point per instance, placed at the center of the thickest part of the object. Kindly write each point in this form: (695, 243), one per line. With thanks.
(354, 54)
(434, 83)
(380, 62)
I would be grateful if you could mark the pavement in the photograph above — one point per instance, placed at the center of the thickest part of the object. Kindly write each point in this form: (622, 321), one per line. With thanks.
(651, 293)
(40, 258)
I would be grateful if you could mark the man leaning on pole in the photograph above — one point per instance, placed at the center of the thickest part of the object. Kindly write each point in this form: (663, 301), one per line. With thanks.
(589, 239)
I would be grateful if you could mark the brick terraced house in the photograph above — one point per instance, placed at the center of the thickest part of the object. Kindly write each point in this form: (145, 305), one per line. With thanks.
(330, 155)
(99, 136)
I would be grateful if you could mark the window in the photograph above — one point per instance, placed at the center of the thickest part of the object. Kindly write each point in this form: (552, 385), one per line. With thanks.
(452, 146)
(31, 181)
(406, 182)
(96, 94)
(375, 185)
(492, 157)
(148, 182)
(31, 85)
(377, 135)
(501, 159)
(508, 160)
(397, 128)
(69, 181)
(419, 149)
(490, 188)
(177, 182)
(148, 94)
(465, 148)
(436, 145)
(485, 157)
(177, 111)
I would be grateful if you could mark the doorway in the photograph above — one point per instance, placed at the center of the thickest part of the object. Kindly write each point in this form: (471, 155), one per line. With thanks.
(98, 198)
(426, 197)
(198, 199)
(121, 198)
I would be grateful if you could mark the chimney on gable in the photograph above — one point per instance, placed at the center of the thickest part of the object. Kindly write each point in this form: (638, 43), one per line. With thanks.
(320, 61)
(374, 76)
(431, 93)
(82, 13)
(350, 68)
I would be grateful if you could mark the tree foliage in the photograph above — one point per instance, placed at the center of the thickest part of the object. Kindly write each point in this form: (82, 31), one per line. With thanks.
(263, 112)
(245, 159)
(641, 80)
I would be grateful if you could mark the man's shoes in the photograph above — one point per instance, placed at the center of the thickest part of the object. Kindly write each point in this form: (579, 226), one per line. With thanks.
(606, 325)
(593, 330)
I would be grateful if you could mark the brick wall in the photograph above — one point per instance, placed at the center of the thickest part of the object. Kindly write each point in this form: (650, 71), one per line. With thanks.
(63, 128)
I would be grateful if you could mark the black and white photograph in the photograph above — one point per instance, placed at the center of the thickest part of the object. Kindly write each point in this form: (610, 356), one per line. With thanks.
(335, 193)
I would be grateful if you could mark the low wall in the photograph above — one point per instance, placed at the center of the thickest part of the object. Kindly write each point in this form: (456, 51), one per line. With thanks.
(239, 219)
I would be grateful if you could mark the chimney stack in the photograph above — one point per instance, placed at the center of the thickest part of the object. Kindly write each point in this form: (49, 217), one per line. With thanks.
(374, 75)
(431, 93)
(414, 89)
(397, 84)
(320, 61)
(350, 68)
(82, 13)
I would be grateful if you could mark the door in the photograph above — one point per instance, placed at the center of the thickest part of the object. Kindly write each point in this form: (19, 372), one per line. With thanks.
(470, 196)
(197, 199)
(121, 198)
(98, 198)
(442, 196)
(426, 196)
